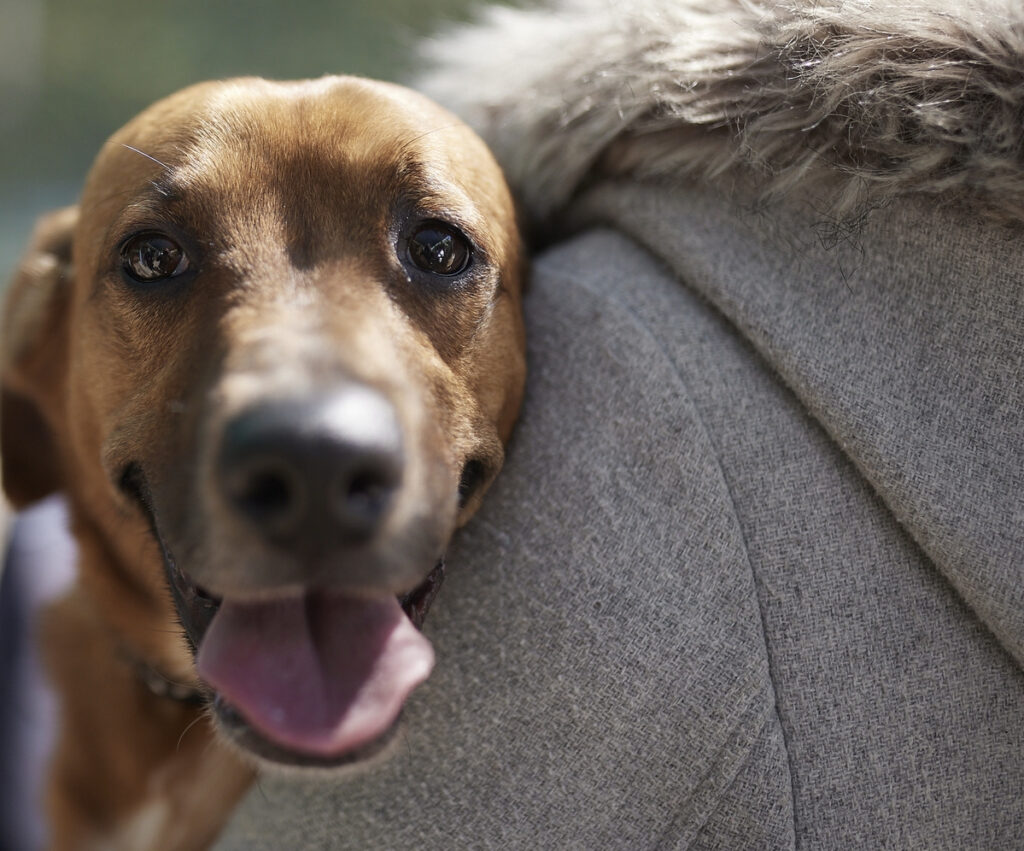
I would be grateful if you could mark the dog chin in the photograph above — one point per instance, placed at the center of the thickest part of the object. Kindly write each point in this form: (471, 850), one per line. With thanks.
(267, 757)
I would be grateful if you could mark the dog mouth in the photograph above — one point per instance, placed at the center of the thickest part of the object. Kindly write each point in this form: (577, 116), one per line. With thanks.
(309, 677)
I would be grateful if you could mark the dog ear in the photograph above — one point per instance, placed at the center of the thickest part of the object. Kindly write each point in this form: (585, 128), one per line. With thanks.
(33, 361)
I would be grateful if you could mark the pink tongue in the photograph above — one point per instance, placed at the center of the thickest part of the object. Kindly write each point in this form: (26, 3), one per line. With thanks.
(320, 673)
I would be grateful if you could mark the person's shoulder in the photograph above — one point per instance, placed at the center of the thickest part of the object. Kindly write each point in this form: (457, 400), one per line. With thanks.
(602, 273)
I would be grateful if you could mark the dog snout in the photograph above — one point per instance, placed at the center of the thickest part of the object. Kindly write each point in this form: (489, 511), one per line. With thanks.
(314, 475)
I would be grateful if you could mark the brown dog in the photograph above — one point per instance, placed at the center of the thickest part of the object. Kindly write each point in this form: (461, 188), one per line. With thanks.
(272, 360)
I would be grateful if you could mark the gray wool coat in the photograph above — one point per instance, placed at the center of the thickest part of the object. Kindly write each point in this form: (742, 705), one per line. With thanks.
(753, 576)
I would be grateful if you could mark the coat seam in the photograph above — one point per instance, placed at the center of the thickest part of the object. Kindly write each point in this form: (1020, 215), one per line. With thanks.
(755, 584)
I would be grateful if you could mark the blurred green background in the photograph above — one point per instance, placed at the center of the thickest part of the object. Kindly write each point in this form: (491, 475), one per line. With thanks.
(73, 71)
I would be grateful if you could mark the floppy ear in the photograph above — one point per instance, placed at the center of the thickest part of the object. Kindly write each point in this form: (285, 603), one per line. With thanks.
(33, 360)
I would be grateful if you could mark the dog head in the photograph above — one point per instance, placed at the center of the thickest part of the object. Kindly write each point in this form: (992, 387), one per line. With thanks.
(272, 358)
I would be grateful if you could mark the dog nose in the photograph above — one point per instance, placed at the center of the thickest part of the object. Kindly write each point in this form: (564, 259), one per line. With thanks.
(315, 474)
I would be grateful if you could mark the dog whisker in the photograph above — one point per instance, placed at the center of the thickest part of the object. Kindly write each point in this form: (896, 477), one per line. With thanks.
(408, 145)
(192, 724)
(163, 165)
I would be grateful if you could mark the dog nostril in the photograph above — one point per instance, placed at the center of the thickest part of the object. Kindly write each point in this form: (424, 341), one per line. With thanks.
(265, 496)
(366, 490)
(362, 498)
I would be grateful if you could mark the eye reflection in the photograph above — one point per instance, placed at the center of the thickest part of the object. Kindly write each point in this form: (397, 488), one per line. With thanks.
(151, 257)
(439, 249)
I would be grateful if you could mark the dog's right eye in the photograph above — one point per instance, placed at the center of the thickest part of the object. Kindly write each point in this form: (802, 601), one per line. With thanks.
(151, 257)
(439, 249)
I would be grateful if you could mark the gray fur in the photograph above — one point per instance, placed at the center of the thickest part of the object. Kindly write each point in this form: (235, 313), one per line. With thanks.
(859, 101)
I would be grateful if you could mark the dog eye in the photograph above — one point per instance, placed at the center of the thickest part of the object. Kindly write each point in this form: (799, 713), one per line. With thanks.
(149, 257)
(439, 249)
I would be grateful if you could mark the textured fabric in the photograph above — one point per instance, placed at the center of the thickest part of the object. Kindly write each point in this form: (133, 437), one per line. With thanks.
(742, 583)
(901, 713)
(903, 339)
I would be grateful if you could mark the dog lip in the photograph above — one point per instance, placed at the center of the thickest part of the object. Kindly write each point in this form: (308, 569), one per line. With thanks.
(243, 735)
(417, 602)
(195, 606)
(203, 594)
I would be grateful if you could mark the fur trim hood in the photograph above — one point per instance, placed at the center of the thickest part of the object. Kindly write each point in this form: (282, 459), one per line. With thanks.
(859, 100)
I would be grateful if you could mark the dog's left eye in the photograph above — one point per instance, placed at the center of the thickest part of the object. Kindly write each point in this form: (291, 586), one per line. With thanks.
(439, 249)
(150, 257)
